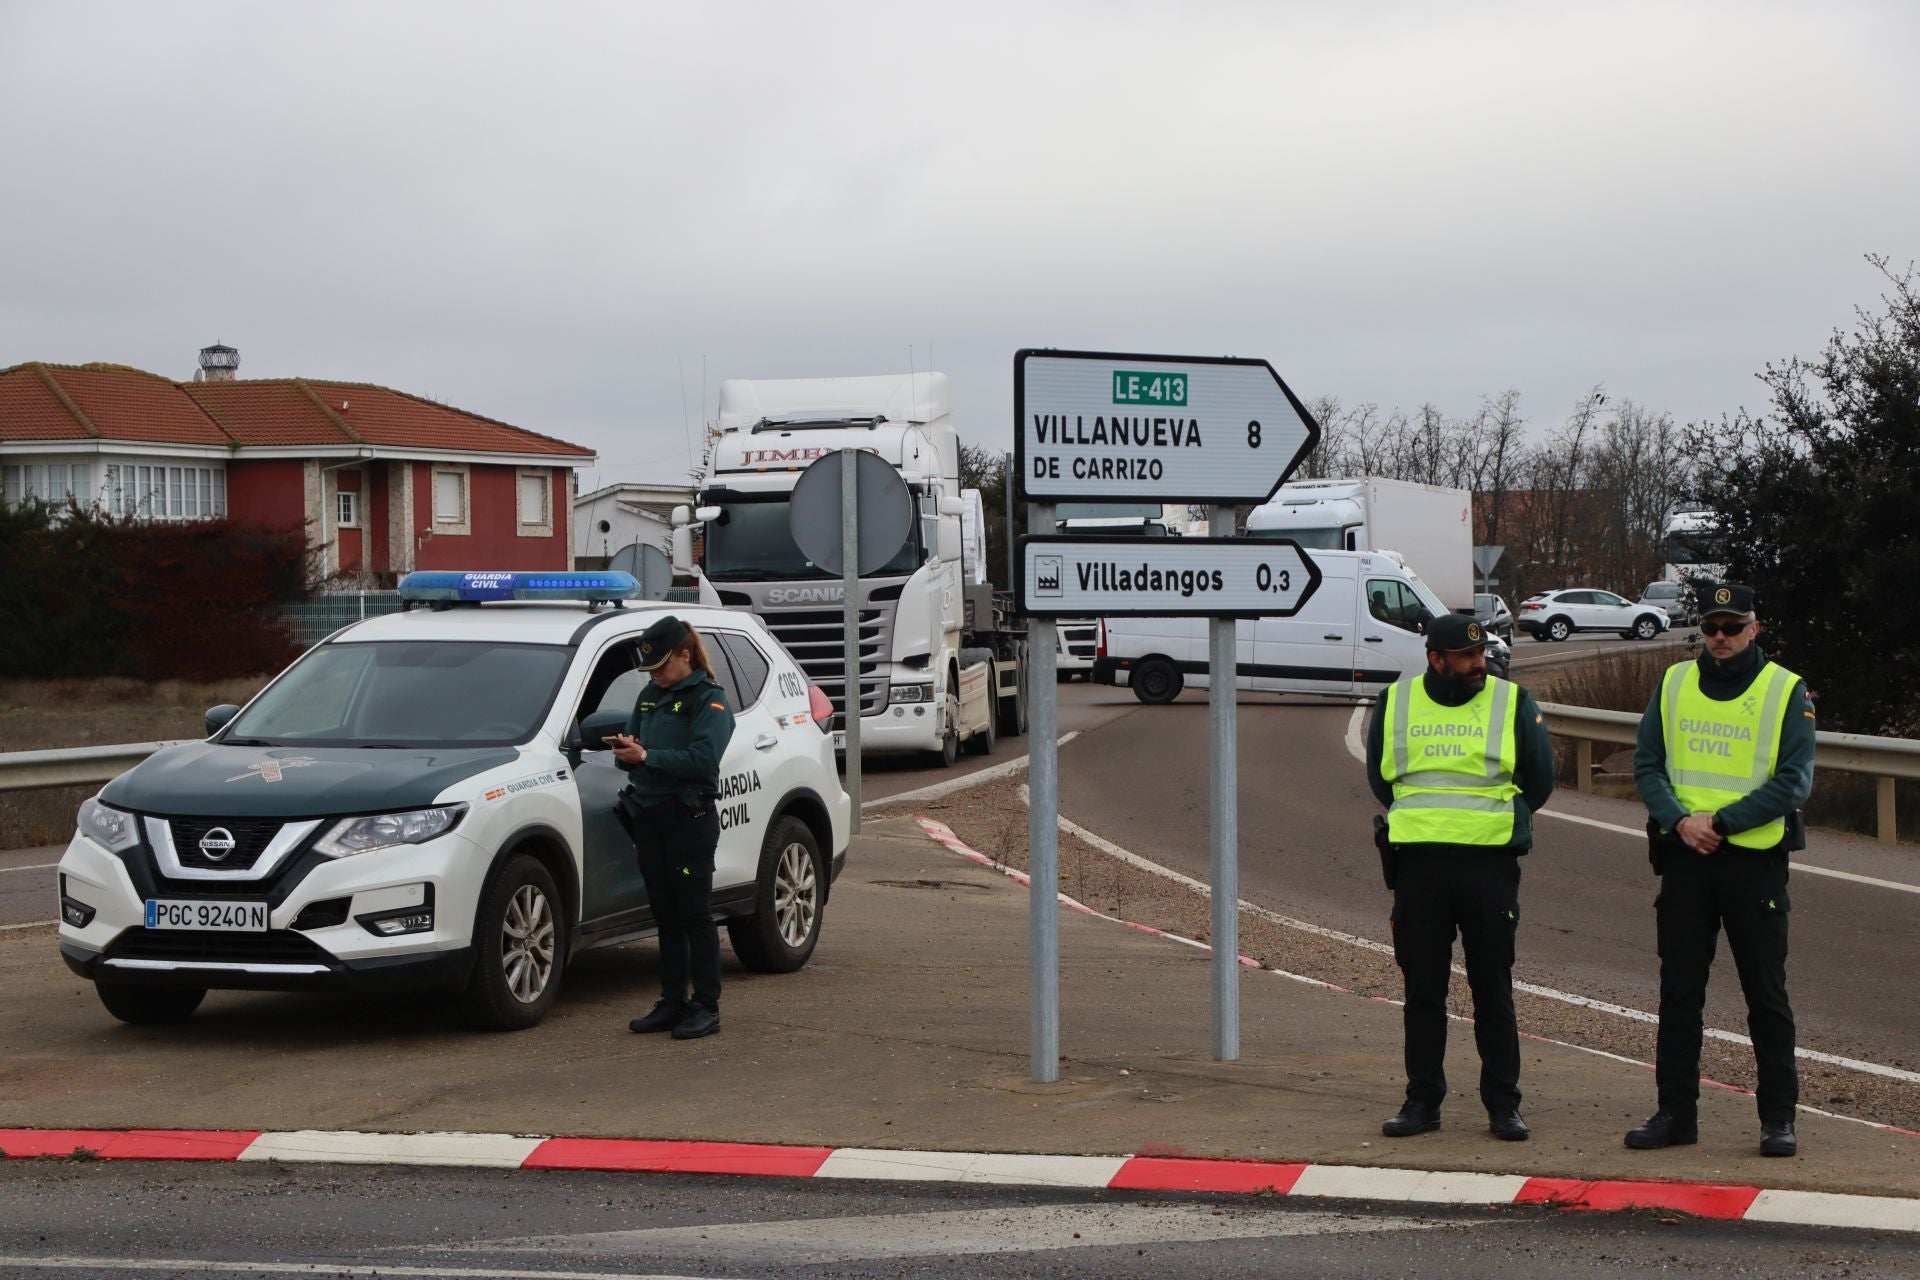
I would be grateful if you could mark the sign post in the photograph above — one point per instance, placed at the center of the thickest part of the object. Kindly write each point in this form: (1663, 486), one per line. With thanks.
(1112, 427)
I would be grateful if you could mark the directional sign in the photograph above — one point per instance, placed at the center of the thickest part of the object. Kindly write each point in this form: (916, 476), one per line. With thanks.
(1091, 577)
(1097, 426)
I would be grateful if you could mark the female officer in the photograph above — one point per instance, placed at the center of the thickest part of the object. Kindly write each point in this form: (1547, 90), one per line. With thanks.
(671, 750)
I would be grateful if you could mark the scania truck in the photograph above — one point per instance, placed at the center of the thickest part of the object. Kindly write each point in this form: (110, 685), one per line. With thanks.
(941, 664)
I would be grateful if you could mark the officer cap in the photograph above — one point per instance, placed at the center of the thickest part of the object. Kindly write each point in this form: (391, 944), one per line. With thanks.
(658, 642)
(1453, 633)
(1724, 597)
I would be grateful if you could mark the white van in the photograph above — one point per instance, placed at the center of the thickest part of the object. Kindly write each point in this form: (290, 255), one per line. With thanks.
(1357, 633)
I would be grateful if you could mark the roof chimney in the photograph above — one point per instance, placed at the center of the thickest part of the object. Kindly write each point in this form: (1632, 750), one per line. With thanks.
(218, 363)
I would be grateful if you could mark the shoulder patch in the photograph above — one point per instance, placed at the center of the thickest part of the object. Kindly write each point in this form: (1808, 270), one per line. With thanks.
(718, 706)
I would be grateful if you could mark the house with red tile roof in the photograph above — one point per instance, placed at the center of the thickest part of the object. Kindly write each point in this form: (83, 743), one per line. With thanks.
(382, 481)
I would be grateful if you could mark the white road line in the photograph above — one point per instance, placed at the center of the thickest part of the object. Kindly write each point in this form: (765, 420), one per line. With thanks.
(177, 1265)
(991, 774)
(466, 1150)
(31, 924)
(1357, 748)
(38, 866)
(963, 1166)
(1565, 997)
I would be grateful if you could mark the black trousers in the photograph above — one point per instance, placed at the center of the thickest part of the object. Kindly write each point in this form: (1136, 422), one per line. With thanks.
(676, 847)
(1476, 893)
(1745, 892)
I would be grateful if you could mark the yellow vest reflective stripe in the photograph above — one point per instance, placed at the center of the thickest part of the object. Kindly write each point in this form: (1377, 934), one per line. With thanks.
(1451, 767)
(1718, 752)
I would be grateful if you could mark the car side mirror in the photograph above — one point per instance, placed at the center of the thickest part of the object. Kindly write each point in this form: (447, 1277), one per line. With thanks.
(220, 717)
(592, 729)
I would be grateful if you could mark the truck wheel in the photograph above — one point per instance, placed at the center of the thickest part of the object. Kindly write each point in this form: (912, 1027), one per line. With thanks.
(787, 904)
(1645, 628)
(518, 951)
(1157, 681)
(1559, 629)
(981, 743)
(944, 755)
(149, 1006)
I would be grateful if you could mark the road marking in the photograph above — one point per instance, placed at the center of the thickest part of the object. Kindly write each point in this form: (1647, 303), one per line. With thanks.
(1357, 749)
(991, 774)
(38, 866)
(970, 1232)
(317, 1269)
(950, 1166)
(31, 924)
(1549, 993)
(470, 1150)
(1828, 1209)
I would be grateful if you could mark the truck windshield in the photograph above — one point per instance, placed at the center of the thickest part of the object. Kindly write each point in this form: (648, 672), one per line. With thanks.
(407, 693)
(1309, 539)
(1696, 546)
(751, 542)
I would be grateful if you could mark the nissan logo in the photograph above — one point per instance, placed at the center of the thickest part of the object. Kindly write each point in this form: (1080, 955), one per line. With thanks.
(217, 844)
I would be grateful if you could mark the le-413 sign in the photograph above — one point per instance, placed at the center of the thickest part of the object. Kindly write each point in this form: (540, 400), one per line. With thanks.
(1092, 577)
(1097, 426)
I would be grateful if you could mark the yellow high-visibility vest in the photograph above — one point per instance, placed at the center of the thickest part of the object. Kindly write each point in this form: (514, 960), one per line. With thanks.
(1451, 767)
(1718, 752)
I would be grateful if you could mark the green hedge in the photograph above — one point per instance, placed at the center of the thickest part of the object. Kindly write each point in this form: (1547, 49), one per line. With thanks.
(82, 594)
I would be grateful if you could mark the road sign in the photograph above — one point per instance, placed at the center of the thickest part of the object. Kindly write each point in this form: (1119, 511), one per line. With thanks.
(649, 564)
(1091, 577)
(1094, 426)
(885, 508)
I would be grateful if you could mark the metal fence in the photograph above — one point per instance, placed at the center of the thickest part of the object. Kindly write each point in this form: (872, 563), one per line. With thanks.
(317, 617)
(1889, 760)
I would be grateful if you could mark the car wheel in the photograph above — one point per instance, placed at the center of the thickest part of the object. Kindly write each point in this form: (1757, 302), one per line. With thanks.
(788, 901)
(1559, 629)
(1645, 628)
(1157, 681)
(149, 1006)
(981, 743)
(518, 951)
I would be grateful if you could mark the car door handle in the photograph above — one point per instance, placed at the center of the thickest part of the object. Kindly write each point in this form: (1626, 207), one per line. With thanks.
(1332, 637)
(765, 742)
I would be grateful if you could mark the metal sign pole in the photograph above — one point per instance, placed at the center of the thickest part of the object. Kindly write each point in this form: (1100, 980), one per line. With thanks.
(1224, 828)
(1043, 835)
(850, 622)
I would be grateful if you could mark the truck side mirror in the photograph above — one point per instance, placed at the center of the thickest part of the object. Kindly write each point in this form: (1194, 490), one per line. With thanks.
(949, 539)
(952, 507)
(682, 549)
(682, 517)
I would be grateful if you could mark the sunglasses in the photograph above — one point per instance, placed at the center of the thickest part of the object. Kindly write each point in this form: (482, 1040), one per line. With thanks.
(1709, 628)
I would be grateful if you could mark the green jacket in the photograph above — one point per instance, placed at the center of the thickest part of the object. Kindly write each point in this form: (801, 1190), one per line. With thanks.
(685, 730)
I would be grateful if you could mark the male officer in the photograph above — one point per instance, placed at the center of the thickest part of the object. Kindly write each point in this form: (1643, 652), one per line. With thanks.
(1462, 760)
(1723, 763)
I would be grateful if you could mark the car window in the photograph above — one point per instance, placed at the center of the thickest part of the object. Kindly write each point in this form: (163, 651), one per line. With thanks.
(750, 668)
(1607, 597)
(1574, 597)
(616, 682)
(1484, 602)
(1663, 591)
(723, 670)
(1393, 602)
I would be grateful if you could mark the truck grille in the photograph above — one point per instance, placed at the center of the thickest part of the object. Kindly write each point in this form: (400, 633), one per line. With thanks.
(816, 639)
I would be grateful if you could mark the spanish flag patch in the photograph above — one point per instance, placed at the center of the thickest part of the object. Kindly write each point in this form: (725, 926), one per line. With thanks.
(718, 706)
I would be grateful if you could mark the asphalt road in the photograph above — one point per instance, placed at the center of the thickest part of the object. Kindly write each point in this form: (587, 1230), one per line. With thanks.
(60, 1219)
(1587, 899)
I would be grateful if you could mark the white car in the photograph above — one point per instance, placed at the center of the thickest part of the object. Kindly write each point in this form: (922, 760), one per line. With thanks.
(1555, 615)
(424, 801)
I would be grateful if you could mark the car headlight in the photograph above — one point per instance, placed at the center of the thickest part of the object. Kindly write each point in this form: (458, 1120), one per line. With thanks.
(911, 693)
(107, 827)
(383, 830)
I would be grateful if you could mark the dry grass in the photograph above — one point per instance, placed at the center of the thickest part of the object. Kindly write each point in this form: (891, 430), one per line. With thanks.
(37, 715)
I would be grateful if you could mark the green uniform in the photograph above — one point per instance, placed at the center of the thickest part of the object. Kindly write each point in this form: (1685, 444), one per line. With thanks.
(685, 730)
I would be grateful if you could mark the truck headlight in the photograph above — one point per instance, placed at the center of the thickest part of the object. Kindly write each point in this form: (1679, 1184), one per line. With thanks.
(911, 693)
(382, 830)
(107, 827)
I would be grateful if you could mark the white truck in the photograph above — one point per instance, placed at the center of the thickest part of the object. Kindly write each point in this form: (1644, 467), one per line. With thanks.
(940, 664)
(1078, 639)
(1430, 529)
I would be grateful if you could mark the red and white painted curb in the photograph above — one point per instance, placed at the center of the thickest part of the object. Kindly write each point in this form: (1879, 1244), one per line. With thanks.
(1118, 1173)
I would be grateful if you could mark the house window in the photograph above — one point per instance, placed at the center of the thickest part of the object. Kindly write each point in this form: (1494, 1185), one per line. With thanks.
(11, 485)
(533, 498)
(452, 500)
(347, 509)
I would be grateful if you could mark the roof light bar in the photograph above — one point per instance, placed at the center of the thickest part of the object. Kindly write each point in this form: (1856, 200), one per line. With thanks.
(453, 586)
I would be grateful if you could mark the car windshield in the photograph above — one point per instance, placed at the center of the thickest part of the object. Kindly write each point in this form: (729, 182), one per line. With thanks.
(1427, 598)
(407, 693)
(1662, 591)
(1309, 539)
(752, 542)
(1485, 603)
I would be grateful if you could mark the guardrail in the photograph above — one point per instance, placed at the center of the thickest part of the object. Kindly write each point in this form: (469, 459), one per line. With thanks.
(73, 766)
(1888, 759)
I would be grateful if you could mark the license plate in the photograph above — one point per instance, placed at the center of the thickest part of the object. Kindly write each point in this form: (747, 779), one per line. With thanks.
(839, 739)
(207, 917)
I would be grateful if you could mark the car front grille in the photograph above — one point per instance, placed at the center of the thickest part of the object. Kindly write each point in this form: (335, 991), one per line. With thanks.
(278, 946)
(251, 836)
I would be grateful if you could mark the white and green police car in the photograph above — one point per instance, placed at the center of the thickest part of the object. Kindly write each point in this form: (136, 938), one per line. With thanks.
(424, 801)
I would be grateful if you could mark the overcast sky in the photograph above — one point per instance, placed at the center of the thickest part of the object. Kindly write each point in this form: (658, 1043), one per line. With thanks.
(578, 222)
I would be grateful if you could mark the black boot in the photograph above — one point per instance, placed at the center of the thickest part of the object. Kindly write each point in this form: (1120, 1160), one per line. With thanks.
(666, 1015)
(1776, 1139)
(698, 1021)
(1508, 1126)
(1414, 1117)
(1664, 1129)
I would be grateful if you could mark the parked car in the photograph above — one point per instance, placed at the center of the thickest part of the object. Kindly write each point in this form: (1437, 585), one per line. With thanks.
(426, 801)
(1675, 599)
(1555, 615)
(1492, 613)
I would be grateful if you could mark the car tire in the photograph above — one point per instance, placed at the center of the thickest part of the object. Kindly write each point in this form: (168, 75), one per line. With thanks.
(519, 948)
(149, 1006)
(789, 899)
(1157, 681)
(1645, 627)
(1559, 629)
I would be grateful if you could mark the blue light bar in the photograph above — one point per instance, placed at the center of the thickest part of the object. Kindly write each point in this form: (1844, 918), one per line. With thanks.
(453, 585)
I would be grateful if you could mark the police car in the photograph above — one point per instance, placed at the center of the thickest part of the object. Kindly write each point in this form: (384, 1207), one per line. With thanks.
(424, 800)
